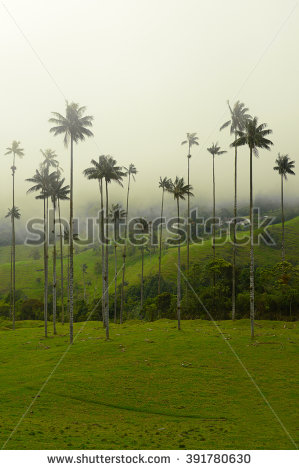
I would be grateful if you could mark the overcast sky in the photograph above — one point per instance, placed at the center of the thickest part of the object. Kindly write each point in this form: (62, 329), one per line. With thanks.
(149, 71)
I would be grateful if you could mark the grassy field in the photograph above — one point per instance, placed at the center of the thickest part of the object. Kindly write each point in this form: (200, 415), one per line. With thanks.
(29, 274)
(150, 386)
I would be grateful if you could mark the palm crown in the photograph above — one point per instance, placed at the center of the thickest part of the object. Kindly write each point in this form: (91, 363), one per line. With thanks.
(191, 140)
(117, 213)
(284, 166)
(215, 150)
(58, 191)
(15, 149)
(73, 125)
(14, 213)
(164, 183)
(105, 168)
(42, 181)
(253, 135)
(50, 158)
(239, 116)
(131, 170)
(179, 189)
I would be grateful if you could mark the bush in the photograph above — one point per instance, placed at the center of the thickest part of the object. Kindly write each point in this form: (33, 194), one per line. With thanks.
(32, 309)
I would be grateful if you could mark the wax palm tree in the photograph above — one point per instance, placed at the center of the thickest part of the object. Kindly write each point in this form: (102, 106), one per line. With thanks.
(57, 192)
(84, 272)
(144, 230)
(239, 116)
(116, 215)
(16, 151)
(112, 173)
(96, 172)
(131, 172)
(42, 180)
(179, 190)
(285, 167)
(13, 214)
(62, 194)
(74, 126)
(214, 150)
(164, 185)
(50, 159)
(253, 135)
(66, 237)
(190, 141)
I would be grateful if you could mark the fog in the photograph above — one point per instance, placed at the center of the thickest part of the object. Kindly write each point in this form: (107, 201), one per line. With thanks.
(149, 71)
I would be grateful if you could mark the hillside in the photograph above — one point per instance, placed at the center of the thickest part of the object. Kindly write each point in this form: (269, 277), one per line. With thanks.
(29, 274)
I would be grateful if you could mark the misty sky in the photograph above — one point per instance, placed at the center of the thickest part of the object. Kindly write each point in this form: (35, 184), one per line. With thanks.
(149, 71)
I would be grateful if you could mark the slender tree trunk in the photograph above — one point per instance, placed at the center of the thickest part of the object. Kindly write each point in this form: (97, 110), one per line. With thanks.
(282, 222)
(61, 265)
(160, 244)
(179, 272)
(188, 221)
(124, 256)
(251, 253)
(102, 252)
(71, 272)
(141, 287)
(214, 211)
(10, 286)
(13, 248)
(115, 283)
(45, 270)
(234, 239)
(107, 267)
(84, 288)
(68, 280)
(54, 271)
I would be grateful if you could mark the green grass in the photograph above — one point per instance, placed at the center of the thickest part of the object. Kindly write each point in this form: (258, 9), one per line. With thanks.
(150, 387)
(29, 270)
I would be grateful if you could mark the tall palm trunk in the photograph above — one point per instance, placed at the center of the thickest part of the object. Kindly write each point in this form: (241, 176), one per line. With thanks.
(54, 269)
(251, 253)
(234, 239)
(13, 236)
(10, 286)
(141, 287)
(71, 271)
(160, 244)
(61, 265)
(188, 211)
(102, 251)
(124, 256)
(84, 287)
(115, 283)
(282, 222)
(106, 268)
(179, 272)
(214, 211)
(45, 270)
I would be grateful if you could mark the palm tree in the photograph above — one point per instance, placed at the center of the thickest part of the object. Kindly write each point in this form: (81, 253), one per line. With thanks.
(95, 172)
(191, 140)
(112, 172)
(84, 271)
(74, 125)
(57, 192)
(42, 182)
(14, 150)
(164, 184)
(253, 135)
(179, 190)
(284, 166)
(144, 230)
(239, 116)
(13, 214)
(62, 193)
(116, 215)
(131, 172)
(214, 150)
